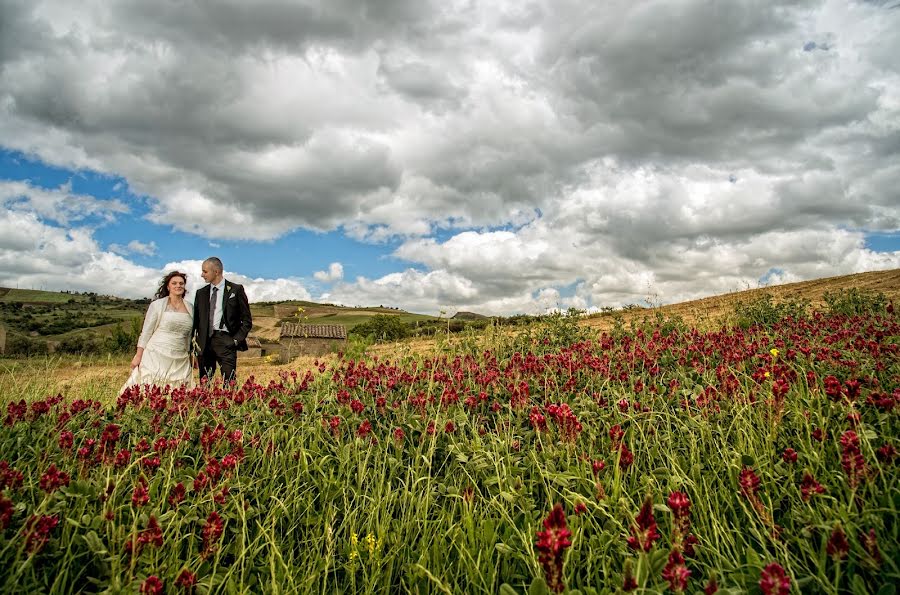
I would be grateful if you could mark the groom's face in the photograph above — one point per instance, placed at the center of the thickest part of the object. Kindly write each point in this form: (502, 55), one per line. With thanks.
(210, 273)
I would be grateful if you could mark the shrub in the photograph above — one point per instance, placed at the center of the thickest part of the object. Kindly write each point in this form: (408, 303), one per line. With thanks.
(382, 327)
(855, 302)
(765, 311)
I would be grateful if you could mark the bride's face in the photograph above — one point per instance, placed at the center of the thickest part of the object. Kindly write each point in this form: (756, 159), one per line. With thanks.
(176, 286)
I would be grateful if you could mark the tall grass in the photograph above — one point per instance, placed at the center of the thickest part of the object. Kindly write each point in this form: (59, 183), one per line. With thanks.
(439, 483)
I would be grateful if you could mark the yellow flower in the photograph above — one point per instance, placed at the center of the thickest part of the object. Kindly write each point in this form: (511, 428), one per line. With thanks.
(370, 543)
(774, 352)
(766, 375)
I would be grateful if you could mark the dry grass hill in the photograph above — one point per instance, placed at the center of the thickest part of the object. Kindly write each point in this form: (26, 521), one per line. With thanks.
(717, 309)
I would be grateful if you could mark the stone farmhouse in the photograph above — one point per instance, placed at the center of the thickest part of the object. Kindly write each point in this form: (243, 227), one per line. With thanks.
(311, 339)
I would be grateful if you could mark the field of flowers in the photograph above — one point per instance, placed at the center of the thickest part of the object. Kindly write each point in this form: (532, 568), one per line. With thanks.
(650, 459)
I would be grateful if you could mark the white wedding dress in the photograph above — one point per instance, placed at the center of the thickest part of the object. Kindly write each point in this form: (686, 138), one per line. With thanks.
(166, 359)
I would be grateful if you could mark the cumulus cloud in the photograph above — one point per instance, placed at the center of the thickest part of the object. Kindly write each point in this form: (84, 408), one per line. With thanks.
(134, 247)
(335, 272)
(517, 154)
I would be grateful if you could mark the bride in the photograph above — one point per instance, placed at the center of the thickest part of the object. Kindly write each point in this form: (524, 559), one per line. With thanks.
(163, 351)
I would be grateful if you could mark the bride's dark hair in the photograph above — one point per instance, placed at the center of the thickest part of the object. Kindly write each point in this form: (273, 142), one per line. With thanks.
(163, 290)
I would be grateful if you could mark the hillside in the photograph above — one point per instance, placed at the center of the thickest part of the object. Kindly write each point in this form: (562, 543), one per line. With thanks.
(721, 308)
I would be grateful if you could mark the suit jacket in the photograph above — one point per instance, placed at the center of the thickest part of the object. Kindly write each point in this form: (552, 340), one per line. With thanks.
(236, 316)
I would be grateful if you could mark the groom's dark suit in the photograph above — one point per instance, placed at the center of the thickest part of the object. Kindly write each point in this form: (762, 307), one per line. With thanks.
(221, 346)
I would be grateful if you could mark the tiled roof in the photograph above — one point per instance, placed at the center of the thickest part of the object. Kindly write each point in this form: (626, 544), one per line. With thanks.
(319, 331)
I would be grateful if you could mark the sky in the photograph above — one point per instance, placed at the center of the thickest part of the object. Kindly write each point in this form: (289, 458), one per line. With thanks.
(492, 156)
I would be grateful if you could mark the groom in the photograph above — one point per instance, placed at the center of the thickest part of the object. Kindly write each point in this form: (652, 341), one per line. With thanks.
(221, 322)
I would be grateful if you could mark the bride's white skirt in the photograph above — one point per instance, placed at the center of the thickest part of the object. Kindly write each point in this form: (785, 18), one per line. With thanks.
(165, 359)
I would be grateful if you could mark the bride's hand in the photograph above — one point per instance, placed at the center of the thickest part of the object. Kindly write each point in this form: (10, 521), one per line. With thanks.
(135, 361)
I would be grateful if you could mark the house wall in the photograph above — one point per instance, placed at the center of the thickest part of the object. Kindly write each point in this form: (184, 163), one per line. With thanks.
(294, 347)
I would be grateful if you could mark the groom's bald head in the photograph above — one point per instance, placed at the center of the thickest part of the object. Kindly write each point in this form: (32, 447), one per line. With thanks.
(212, 270)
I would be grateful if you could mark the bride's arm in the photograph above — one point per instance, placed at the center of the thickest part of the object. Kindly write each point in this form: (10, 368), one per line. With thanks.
(151, 321)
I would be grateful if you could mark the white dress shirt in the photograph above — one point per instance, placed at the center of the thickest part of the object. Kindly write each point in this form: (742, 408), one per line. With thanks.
(220, 304)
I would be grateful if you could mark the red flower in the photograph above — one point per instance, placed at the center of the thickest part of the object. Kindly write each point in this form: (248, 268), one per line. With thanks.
(789, 455)
(53, 479)
(886, 453)
(580, 508)
(212, 531)
(177, 494)
(629, 583)
(774, 581)
(680, 504)
(749, 482)
(597, 466)
(626, 458)
(537, 420)
(66, 439)
(552, 543)
(450, 427)
(676, 572)
(365, 428)
(123, 457)
(852, 459)
(6, 511)
(837, 546)
(399, 434)
(152, 586)
(140, 496)
(644, 529)
(870, 543)
(37, 531)
(186, 580)
(809, 486)
(712, 586)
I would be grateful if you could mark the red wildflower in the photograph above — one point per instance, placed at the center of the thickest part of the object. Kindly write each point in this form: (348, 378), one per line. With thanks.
(712, 586)
(644, 529)
(123, 457)
(809, 486)
(552, 543)
(852, 459)
(818, 435)
(886, 453)
(450, 427)
(676, 572)
(537, 420)
(680, 504)
(626, 458)
(789, 455)
(212, 531)
(37, 531)
(152, 586)
(140, 496)
(870, 543)
(9, 477)
(6, 511)
(365, 428)
(629, 583)
(399, 434)
(177, 494)
(53, 479)
(749, 482)
(66, 439)
(597, 466)
(837, 547)
(186, 580)
(580, 508)
(774, 581)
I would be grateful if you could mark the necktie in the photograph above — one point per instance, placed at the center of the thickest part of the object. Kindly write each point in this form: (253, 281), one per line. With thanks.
(212, 310)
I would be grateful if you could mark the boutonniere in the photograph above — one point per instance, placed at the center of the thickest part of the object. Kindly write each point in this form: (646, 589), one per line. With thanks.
(227, 287)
